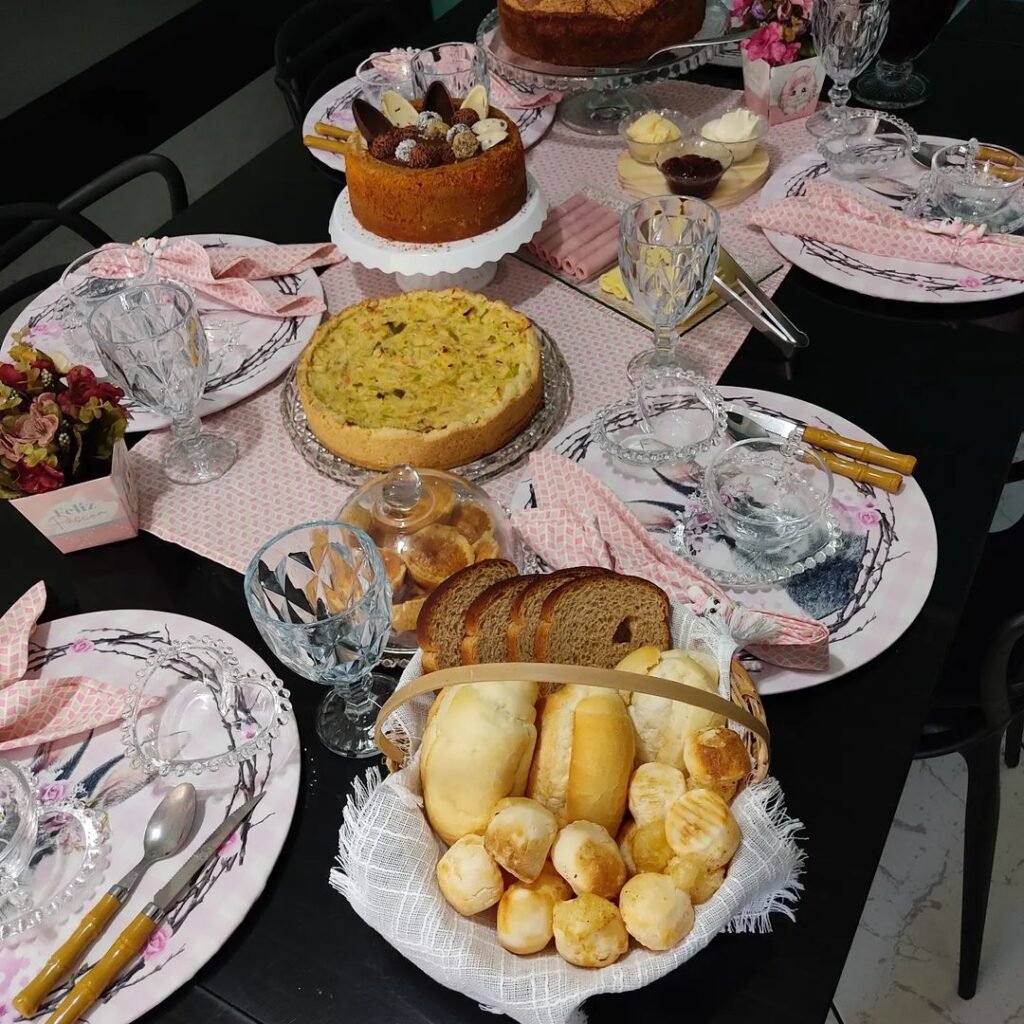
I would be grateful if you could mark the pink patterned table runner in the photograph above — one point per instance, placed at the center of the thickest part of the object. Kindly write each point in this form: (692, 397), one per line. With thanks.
(271, 487)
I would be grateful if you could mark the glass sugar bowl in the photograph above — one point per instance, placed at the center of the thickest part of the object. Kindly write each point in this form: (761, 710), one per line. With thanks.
(428, 524)
(975, 181)
(867, 143)
(18, 823)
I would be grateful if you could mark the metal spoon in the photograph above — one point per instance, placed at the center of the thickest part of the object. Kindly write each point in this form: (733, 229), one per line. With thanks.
(167, 831)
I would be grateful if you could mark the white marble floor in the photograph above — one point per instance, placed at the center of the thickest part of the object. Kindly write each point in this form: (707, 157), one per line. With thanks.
(902, 968)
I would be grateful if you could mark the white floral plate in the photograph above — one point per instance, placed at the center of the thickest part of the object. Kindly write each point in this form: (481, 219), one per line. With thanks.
(335, 107)
(112, 646)
(882, 277)
(867, 593)
(246, 351)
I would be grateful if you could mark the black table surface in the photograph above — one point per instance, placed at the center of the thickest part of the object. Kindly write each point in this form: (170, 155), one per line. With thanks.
(942, 382)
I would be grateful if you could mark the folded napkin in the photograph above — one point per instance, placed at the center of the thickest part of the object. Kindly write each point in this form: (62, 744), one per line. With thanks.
(579, 521)
(34, 711)
(505, 97)
(223, 273)
(829, 213)
(580, 237)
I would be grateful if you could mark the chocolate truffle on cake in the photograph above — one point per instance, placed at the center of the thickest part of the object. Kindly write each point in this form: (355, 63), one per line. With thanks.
(465, 116)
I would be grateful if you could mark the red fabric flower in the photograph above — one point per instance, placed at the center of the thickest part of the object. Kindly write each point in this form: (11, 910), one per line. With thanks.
(39, 479)
(12, 376)
(82, 385)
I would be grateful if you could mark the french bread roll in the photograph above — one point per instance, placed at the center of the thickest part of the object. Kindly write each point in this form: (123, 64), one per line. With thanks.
(584, 757)
(662, 725)
(476, 750)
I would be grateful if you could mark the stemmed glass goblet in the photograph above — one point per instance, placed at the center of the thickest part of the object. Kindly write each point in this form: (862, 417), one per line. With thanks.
(320, 597)
(152, 343)
(668, 254)
(847, 34)
(459, 66)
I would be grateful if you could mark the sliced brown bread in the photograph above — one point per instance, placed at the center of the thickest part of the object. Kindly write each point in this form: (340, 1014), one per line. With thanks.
(486, 622)
(598, 620)
(524, 616)
(439, 627)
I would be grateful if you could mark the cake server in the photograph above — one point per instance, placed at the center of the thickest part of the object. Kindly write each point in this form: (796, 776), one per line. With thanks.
(166, 832)
(746, 423)
(133, 939)
(734, 285)
(697, 44)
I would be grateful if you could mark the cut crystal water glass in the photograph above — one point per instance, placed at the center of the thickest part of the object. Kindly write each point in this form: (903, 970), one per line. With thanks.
(152, 343)
(320, 597)
(458, 66)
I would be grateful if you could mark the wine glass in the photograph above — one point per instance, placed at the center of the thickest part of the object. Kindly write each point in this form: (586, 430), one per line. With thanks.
(152, 343)
(668, 254)
(893, 84)
(847, 34)
(320, 597)
(460, 66)
(86, 284)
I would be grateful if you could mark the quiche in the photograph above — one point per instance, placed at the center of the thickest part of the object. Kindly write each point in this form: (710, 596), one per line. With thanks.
(429, 378)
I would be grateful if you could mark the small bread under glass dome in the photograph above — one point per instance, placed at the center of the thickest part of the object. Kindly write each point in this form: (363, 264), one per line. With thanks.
(428, 524)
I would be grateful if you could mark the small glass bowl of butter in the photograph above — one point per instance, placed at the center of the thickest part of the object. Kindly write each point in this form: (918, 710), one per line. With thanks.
(740, 130)
(646, 131)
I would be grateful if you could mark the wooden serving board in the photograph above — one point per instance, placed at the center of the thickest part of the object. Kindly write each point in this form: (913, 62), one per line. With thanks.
(740, 181)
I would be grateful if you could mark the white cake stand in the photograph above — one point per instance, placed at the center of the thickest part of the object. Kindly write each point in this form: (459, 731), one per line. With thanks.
(469, 263)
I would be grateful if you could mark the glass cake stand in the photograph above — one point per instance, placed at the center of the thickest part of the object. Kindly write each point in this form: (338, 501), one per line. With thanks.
(598, 98)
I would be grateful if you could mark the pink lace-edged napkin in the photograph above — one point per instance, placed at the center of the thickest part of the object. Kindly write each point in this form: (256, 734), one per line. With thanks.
(580, 237)
(579, 521)
(506, 97)
(224, 273)
(829, 213)
(34, 711)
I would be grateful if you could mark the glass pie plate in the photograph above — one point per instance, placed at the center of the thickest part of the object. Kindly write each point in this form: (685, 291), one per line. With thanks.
(193, 710)
(51, 854)
(546, 422)
(672, 417)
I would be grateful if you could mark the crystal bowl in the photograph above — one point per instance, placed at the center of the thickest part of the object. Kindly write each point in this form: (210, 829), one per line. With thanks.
(701, 183)
(867, 143)
(18, 823)
(741, 149)
(647, 152)
(973, 181)
(770, 496)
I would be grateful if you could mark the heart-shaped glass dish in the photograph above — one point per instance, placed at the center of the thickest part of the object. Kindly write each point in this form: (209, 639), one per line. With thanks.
(193, 710)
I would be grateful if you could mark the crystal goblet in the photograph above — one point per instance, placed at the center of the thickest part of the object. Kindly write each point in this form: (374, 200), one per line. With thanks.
(388, 72)
(320, 597)
(668, 253)
(459, 66)
(847, 34)
(152, 343)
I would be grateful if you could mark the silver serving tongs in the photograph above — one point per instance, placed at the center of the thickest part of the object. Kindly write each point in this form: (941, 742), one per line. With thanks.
(755, 307)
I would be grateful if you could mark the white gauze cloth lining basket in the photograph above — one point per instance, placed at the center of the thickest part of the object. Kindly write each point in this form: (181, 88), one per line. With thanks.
(388, 854)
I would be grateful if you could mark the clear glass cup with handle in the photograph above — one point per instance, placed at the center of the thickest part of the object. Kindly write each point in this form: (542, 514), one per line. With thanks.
(668, 254)
(152, 343)
(320, 596)
(460, 66)
(847, 35)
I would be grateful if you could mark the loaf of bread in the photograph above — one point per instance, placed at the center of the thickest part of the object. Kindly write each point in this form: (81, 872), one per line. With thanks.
(519, 836)
(476, 750)
(700, 824)
(589, 931)
(599, 619)
(468, 876)
(439, 628)
(662, 725)
(584, 756)
(587, 857)
(524, 616)
(485, 624)
(655, 912)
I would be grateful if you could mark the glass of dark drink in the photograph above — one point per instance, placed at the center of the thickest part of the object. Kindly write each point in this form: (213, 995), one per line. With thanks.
(893, 84)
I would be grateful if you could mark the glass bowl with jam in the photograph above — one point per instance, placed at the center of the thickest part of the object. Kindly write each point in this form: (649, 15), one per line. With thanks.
(694, 167)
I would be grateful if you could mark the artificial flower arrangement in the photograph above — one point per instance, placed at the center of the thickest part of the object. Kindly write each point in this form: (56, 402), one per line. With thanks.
(58, 423)
(783, 29)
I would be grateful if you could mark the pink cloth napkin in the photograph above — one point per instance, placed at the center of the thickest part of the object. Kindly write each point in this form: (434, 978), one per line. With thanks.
(34, 711)
(505, 97)
(579, 521)
(833, 214)
(580, 237)
(224, 274)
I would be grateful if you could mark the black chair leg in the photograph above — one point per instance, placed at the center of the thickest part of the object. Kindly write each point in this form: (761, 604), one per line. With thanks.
(1014, 738)
(980, 829)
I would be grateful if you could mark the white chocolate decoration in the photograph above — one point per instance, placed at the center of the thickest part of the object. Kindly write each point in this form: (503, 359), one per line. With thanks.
(490, 131)
(476, 100)
(398, 110)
